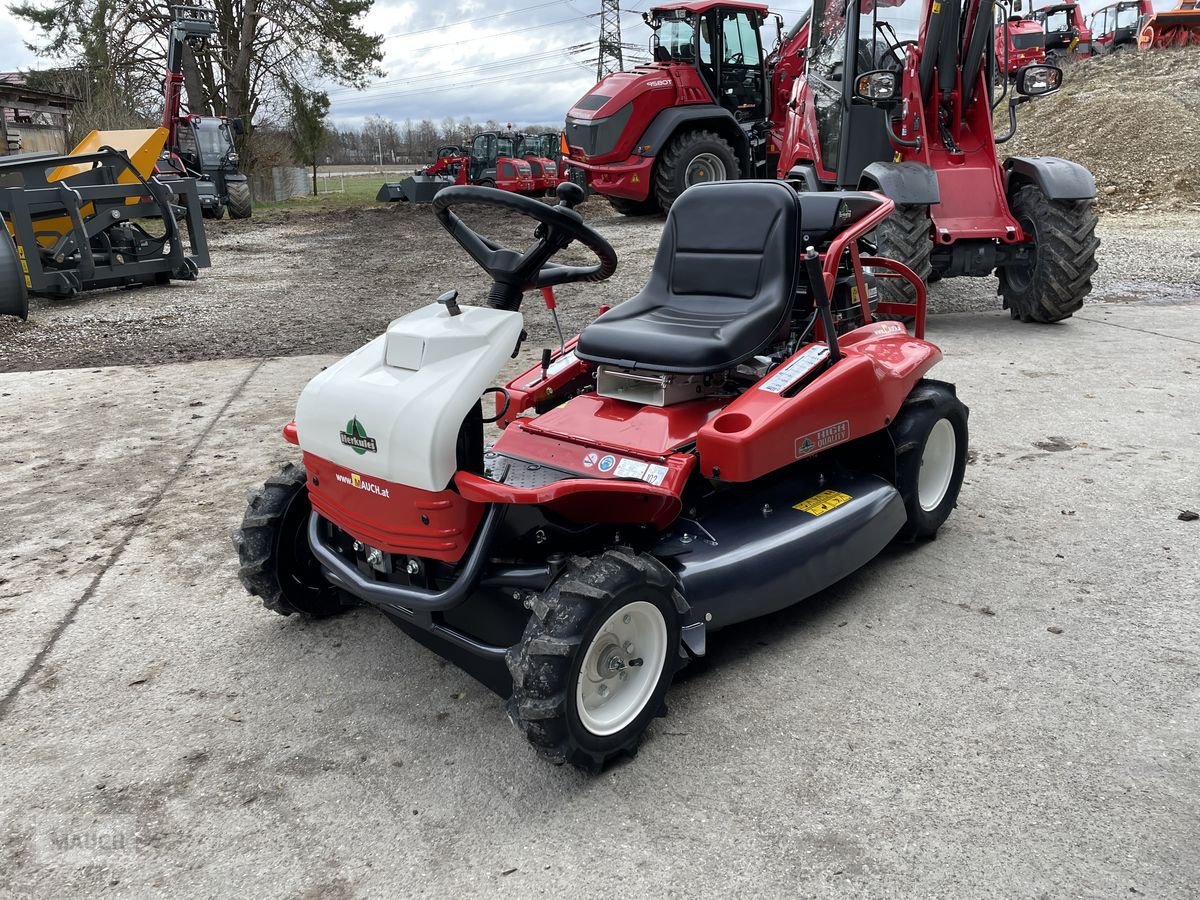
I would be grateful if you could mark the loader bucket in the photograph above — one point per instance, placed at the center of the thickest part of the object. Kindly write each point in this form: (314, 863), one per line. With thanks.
(143, 146)
(414, 189)
(14, 300)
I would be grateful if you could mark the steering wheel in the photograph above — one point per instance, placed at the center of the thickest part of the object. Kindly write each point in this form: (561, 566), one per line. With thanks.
(514, 273)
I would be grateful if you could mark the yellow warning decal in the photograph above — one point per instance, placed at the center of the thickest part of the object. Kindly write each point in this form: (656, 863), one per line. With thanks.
(823, 502)
(937, 7)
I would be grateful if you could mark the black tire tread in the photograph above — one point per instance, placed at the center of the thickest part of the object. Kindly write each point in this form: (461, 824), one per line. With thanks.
(241, 204)
(904, 237)
(1066, 257)
(540, 663)
(255, 539)
(928, 394)
(627, 207)
(677, 150)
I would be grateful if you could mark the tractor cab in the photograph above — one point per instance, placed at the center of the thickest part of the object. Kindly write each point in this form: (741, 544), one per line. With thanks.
(530, 147)
(205, 144)
(494, 162)
(851, 136)
(1019, 42)
(1066, 32)
(722, 43)
(1117, 25)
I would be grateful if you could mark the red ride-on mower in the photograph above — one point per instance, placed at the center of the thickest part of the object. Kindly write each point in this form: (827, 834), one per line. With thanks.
(738, 436)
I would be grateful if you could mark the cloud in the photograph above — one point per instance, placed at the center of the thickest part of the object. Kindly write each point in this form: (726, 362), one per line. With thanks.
(526, 62)
(13, 35)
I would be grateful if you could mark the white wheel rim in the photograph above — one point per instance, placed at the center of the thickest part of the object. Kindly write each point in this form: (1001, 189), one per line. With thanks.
(606, 701)
(937, 465)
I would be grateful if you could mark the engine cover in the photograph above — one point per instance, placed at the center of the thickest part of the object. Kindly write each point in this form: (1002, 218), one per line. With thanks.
(393, 408)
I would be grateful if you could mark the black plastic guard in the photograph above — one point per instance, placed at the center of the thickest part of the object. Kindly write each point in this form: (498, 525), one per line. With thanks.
(1059, 179)
(768, 547)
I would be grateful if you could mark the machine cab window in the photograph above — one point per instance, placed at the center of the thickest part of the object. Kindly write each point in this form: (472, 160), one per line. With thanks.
(730, 57)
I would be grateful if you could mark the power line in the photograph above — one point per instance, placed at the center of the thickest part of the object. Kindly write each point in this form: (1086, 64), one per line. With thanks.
(491, 35)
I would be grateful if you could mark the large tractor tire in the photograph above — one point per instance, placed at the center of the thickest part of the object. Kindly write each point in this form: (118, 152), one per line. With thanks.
(1052, 284)
(626, 207)
(905, 237)
(213, 212)
(693, 157)
(930, 437)
(600, 651)
(14, 298)
(241, 205)
(276, 563)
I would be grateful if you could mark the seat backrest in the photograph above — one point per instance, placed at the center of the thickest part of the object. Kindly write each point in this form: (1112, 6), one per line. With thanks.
(731, 239)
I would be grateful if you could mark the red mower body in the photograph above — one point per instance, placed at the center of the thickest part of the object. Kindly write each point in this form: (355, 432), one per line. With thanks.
(751, 427)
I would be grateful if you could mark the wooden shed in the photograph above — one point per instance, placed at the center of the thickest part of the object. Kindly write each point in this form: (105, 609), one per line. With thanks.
(32, 120)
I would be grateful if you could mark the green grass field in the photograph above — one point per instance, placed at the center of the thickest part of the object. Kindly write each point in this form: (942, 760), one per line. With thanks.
(359, 190)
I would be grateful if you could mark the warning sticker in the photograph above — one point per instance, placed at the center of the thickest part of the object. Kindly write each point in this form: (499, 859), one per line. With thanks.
(823, 502)
(631, 468)
(815, 441)
(655, 474)
(784, 377)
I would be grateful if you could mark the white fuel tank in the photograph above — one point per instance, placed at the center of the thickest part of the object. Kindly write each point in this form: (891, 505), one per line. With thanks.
(393, 408)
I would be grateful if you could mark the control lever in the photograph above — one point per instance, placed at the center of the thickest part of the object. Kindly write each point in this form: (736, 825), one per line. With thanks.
(570, 194)
(816, 279)
(450, 301)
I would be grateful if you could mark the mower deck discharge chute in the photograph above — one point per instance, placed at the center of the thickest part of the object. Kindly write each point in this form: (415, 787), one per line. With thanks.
(76, 222)
(739, 435)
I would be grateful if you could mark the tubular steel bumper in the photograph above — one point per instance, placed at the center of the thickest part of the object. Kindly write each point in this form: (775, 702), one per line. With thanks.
(415, 605)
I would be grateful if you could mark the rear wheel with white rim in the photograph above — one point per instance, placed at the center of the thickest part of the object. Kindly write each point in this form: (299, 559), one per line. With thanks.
(930, 439)
(593, 667)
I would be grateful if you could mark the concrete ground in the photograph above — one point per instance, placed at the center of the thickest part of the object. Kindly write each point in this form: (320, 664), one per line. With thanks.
(1010, 711)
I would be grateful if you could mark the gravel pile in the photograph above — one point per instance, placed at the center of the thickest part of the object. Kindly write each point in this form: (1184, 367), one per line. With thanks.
(1133, 118)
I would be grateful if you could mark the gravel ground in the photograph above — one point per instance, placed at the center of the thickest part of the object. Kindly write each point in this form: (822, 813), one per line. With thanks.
(1010, 711)
(328, 282)
(1133, 119)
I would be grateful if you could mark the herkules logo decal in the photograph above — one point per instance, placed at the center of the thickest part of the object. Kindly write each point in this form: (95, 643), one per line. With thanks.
(355, 437)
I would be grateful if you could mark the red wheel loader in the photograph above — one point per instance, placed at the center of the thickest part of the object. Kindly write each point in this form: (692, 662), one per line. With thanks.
(702, 111)
(1067, 32)
(490, 162)
(899, 99)
(1019, 43)
(200, 147)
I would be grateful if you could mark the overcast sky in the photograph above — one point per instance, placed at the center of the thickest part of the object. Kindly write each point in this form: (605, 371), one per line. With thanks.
(510, 61)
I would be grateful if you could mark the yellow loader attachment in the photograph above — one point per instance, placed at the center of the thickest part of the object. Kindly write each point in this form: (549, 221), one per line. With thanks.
(78, 221)
(143, 147)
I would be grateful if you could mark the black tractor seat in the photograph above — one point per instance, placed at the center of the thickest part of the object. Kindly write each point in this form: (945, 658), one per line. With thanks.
(724, 279)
